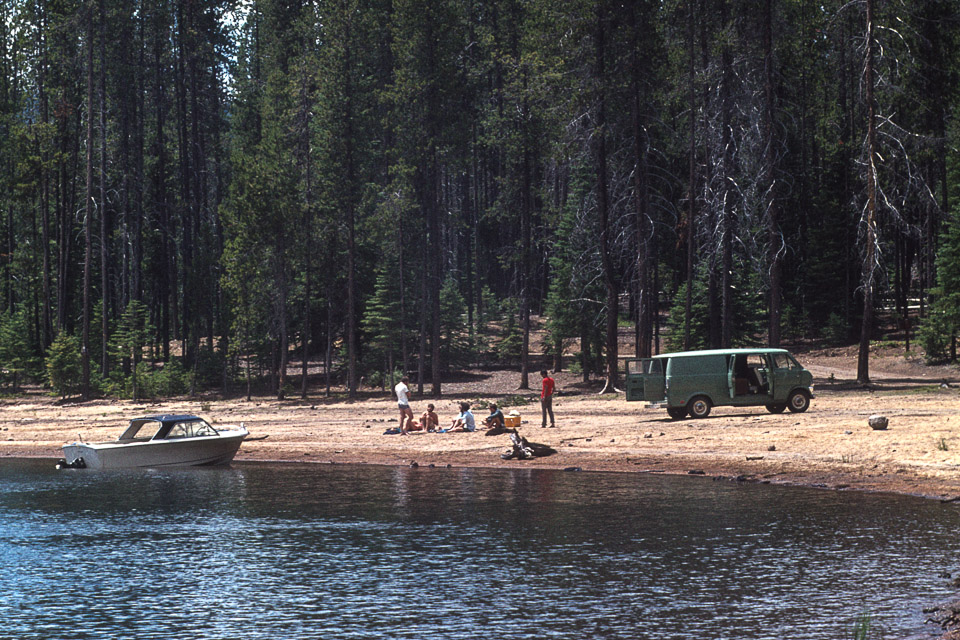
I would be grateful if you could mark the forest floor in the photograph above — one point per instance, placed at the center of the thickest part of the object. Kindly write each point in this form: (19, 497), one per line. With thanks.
(831, 445)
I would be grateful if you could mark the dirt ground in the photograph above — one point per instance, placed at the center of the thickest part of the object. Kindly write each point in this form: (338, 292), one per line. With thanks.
(830, 446)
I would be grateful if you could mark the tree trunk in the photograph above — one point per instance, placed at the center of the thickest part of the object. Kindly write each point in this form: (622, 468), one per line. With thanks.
(401, 283)
(584, 351)
(88, 216)
(609, 277)
(436, 276)
(467, 205)
(870, 256)
(328, 354)
(64, 238)
(307, 108)
(140, 117)
(525, 279)
(160, 190)
(424, 309)
(846, 135)
(193, 311)
(305, 339)
(351, 212)
(774, 243)
(249, 381)
(104, 235)
(125, 220)
(47, 321)
(351, 319)
(727, 229)
(644, 231)
(184, 318)
(692, 180)
(283, 317)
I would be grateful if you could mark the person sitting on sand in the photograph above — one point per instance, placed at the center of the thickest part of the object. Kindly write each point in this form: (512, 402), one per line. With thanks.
(465, 421)
(495, 419)
(415, 426)
(430, 420)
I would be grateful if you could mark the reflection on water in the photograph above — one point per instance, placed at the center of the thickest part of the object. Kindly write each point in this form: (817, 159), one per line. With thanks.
(291, 551)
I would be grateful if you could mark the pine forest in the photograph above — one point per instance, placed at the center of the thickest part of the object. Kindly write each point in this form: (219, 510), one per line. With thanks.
(289, 197)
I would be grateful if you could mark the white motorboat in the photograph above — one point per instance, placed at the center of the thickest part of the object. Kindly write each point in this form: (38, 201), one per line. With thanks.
(170, 441)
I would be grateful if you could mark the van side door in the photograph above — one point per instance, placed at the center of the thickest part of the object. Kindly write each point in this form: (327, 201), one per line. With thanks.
(634, 380)
(655, 380)
(654, 376)
(770, 374)
(645, 379)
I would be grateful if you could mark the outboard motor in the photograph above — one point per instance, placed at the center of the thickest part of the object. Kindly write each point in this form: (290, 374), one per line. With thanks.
(76, 464)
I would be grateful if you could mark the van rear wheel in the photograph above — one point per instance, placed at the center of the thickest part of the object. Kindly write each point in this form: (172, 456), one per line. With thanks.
(677, 413)
(798, 402)
(776, 408)
(699, 407)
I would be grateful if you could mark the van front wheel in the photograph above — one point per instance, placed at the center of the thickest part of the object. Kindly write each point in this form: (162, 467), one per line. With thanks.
(776, 408)
(798, 402)
(699, 407)
(677, 413)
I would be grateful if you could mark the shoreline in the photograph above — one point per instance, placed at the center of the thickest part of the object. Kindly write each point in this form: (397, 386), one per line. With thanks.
(830, 446)
(927, 490)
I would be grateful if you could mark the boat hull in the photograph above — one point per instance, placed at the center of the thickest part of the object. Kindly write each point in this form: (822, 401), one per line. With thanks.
(186, 452)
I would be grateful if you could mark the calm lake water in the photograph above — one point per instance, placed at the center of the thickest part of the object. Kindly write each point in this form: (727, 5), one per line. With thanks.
(300, 551)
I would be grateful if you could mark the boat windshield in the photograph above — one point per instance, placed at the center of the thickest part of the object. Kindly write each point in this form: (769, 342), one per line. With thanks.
(189, 429)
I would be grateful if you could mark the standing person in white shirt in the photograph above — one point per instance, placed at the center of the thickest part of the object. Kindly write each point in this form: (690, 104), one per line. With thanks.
(403, 401)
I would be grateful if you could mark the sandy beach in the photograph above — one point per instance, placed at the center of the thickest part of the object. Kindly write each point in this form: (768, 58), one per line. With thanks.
(830, 446)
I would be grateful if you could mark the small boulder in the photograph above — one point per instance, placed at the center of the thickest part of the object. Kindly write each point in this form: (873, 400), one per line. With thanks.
(878, 423)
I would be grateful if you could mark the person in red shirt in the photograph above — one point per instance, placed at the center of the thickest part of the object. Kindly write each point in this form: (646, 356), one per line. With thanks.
(546, 398)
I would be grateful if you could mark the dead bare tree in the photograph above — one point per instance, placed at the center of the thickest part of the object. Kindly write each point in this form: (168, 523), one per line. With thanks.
(770, 164)
(892, 178)
(868, 220)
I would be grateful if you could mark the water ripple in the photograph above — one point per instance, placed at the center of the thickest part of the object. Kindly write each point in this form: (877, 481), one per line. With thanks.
(266, 552)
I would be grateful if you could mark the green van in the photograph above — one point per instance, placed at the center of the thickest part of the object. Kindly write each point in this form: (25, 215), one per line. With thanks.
(691, 382)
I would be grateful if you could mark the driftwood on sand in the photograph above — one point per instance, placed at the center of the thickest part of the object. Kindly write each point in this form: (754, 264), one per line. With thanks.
(523, 449)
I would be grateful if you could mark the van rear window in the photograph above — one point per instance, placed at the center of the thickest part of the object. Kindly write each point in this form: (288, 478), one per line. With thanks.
(646, 365)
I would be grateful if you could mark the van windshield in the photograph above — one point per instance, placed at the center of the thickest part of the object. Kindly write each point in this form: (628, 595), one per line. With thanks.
(784, 361)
